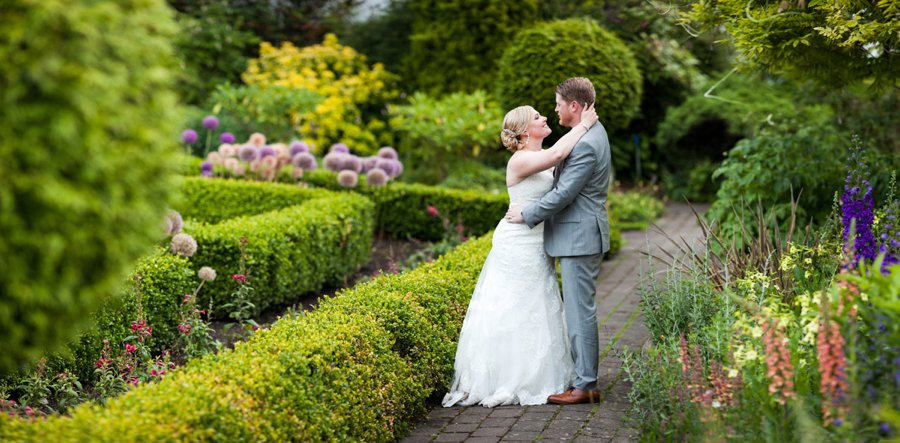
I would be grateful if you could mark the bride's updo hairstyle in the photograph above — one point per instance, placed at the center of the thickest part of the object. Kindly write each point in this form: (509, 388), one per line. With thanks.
(514, 125)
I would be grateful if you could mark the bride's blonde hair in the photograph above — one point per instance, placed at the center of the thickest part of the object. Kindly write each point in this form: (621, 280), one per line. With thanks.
(514, 125)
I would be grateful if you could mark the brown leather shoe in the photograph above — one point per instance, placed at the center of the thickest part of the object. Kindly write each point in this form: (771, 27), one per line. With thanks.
(574, 397)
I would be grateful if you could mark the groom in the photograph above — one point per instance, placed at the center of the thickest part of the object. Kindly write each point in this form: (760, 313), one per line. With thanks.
(576, 231)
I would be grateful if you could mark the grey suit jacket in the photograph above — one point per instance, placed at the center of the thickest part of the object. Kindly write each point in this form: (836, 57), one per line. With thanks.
(575, 208)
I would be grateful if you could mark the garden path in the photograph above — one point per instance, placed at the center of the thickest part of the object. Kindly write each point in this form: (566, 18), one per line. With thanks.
(621, 325)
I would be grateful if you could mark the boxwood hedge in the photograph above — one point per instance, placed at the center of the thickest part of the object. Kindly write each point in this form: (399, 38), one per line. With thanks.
(358, 368)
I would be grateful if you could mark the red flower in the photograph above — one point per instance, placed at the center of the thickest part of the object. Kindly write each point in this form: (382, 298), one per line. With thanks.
(239, 278)
(432, 211)
(130, 348)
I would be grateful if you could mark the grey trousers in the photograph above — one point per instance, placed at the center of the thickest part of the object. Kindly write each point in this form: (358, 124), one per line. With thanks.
(579, 287)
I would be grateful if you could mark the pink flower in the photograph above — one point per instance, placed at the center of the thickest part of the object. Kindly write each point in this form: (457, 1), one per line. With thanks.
(187, 298)
(130, 348)
(239, 278)
(153, 373)
(432, 211)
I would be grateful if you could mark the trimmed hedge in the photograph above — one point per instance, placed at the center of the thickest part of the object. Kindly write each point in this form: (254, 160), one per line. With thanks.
(358, 368)
(290, 251)
(86, 159)
(213, 200)
(403, 208)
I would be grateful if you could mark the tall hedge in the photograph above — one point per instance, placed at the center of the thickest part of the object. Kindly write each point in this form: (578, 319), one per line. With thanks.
(542, 57)
(86, 149)
(455, 44)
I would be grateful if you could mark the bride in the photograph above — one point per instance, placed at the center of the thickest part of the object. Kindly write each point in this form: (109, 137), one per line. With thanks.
(513, 347)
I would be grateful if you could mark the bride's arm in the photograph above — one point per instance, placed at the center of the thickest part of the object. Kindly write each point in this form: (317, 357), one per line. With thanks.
(531, 162)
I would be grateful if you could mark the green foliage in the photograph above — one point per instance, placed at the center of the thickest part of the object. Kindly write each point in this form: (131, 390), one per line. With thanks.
(582, 48)
(477, 176)
(694, 185)
(216, 200)
(271, 110)
(832, 43)
(434, 133)
(211, 45)
(393, 26)
(635, 210)
(290, 251)
(455, 44)
(776, 165)
(86, 159)
(356, 369)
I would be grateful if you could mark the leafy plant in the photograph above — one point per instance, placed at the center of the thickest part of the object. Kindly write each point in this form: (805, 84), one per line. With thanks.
(241, 307)
(272, 110)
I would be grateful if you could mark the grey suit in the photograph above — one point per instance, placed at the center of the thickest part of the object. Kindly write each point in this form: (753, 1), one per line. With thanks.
(577, 231)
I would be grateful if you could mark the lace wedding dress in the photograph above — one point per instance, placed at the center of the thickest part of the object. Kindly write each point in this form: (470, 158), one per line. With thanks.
(513, 348)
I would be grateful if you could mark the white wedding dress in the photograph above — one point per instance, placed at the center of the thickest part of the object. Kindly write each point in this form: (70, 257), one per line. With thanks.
(513, 347)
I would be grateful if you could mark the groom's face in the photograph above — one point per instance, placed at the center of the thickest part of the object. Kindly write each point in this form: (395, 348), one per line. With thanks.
(566, 112)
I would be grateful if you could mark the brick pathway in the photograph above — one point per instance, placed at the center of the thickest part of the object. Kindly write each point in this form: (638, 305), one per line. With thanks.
(620, 325)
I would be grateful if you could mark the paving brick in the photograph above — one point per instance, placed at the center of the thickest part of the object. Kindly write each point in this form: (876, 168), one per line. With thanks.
(589, 439)
(558, 434)
(519, 436)
(497, 422)
(451, 437)
(507, 412)
(444, 412)
(532, 426)
(529, 415)
(483, 440)
(491, 432)
(461, 427)
(468, 418)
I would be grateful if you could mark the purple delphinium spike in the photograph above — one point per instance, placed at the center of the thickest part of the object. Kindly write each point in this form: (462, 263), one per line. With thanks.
(858, 210)
(189, 136)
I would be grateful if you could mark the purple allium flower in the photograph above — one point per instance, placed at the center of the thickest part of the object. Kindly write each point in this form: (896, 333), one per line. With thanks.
(298, 147)
(387, 152)
(333, 161)
(206, 173)
(184, 245)
(267, 151)
(347, 179)
(227, 137)
(376, 177)
(210, 122)
(387, 165)
(399, 168)
(351, 163)
(368, 163)
(340, 147)
(248, 153)
(189, 136)
(206, 166)
(174, 223)
(304, 160)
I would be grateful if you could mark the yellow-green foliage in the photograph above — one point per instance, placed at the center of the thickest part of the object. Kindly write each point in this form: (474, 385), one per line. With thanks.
(635, 210)
(356, 369)
(86, 152)
(345, 81)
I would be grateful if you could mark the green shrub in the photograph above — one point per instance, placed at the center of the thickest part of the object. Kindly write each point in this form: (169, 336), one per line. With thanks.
(455, 44)
(216, 200)
(271, 110)
(635, 210)
(581, 48)
(356, 369)
(434, 133)
(476, 176)
(290, 251)
(86, 159)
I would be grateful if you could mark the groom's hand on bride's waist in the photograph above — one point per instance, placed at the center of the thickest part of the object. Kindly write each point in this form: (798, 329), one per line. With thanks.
(514, 214)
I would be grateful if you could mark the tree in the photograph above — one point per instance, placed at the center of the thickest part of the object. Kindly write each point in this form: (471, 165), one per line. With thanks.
(835, 43)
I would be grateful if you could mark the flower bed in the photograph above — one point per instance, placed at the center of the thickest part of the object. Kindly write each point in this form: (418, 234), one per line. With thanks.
(358, 368)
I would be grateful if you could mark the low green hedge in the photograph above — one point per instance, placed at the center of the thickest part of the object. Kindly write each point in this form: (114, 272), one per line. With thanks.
(358, 368)
(213, 200)
(290, 251)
